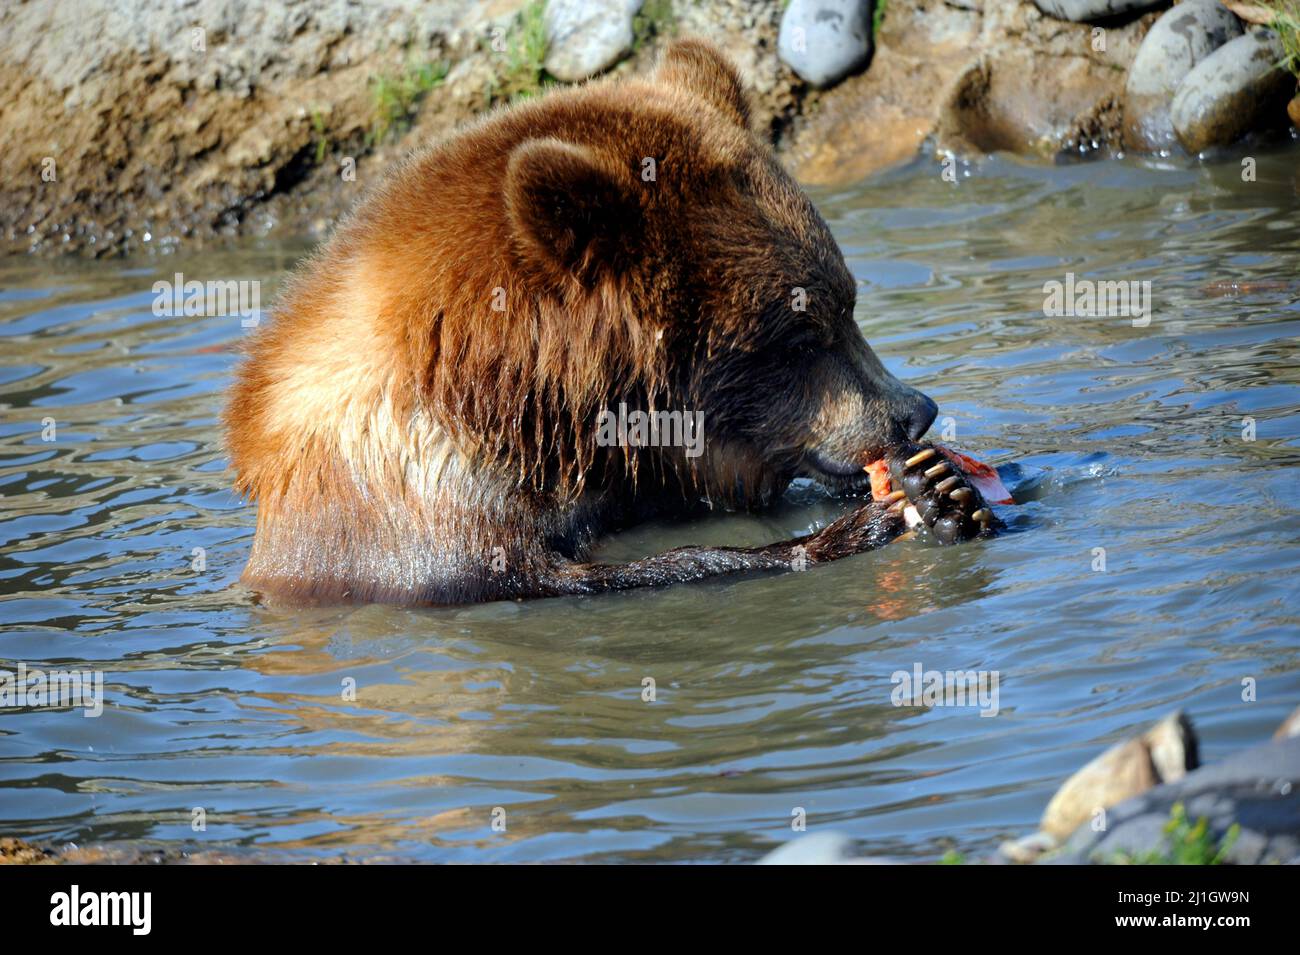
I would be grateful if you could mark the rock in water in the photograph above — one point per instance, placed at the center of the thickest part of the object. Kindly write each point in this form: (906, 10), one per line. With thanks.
(1162, 754)
(1258, 789)
(1181, 38)
(1027, 849)
(1234, 90)
(586, 37)
(1290, 726)
(820, 848)
(1120, 773)
(1080, 11)
(825, 40)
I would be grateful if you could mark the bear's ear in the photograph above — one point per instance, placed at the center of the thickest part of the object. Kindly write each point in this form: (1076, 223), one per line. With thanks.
(702, 69)
(566, 210)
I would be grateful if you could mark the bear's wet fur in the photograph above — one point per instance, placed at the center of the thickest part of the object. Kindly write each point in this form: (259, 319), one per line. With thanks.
(417, 421)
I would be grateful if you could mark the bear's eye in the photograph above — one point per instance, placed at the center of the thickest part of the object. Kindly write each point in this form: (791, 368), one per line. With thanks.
(812, 338)
(801, 348)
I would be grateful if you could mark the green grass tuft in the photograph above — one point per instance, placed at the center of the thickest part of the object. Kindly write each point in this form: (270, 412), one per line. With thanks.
(1286, 24)
(1187, 843)
(396, 97)
(322, 141)
(521, 72)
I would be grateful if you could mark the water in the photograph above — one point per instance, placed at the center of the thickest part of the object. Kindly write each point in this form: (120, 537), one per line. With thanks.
(773, 694)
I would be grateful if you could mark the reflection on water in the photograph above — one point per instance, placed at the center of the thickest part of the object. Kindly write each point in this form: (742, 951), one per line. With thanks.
(771, 694)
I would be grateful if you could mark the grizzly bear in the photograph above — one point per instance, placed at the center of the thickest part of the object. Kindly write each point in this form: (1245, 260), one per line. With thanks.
(438, 410)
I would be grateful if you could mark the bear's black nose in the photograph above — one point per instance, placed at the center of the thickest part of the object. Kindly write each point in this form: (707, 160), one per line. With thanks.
(923, 414)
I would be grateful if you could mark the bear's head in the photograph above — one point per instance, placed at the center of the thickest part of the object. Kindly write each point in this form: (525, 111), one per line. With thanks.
(680, 268)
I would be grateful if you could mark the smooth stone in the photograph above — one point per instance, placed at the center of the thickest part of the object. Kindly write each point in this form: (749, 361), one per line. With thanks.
(1291, 725)
(1258, 789)
(586, 37)
(1236, 89)
(825, 40)
(1163, 753)
(1120, 773)
(1079, 11)
(820, 848)
(1028, 848)
(1181, 38)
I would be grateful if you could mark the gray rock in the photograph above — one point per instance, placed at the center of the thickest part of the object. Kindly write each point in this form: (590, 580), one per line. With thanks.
(821, 848)
(825, 40)
(1234, 90)
(1257, 788)
(1080, 11)
(1181, 38)
(1026, 849)
(586, 37)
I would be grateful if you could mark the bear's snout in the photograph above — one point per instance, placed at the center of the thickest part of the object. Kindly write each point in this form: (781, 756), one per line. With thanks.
(921, 415)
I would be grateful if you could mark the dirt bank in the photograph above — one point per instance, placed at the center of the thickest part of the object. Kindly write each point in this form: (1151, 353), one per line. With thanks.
(139, 124)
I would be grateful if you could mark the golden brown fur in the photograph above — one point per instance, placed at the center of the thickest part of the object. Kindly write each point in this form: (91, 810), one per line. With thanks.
(416, 423)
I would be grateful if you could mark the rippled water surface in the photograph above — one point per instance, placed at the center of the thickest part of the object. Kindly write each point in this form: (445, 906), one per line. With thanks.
(772, 694)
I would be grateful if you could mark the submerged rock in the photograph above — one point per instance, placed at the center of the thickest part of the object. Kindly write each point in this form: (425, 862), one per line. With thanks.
(587, 37)
(825, 40)
(1180, 39)
(1162, 754)
(1081, 10)
(1257, 790)
(1236, 89)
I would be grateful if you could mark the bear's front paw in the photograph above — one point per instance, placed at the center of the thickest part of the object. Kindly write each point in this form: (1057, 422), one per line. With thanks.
(946, 501)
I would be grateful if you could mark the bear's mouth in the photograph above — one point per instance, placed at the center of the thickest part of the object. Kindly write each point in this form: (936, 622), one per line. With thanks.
(834, 471)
